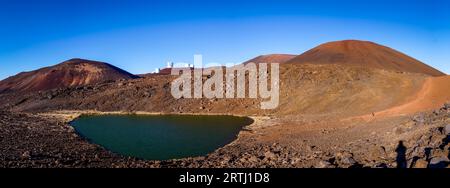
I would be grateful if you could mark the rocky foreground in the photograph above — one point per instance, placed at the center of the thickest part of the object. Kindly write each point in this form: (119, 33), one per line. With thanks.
(342, 104)
(421, 141)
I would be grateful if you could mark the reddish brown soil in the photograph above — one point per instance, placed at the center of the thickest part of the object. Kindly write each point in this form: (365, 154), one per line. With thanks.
(271, 58)
(331, 114)
(308, 90)
(366, 54)
(72, 73)
(433, 93)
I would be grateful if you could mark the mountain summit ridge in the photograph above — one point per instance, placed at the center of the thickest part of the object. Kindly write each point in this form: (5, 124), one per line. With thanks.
(364, 53)
(70, 73)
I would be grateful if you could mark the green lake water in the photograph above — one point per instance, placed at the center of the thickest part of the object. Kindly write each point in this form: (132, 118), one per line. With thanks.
(160, 137)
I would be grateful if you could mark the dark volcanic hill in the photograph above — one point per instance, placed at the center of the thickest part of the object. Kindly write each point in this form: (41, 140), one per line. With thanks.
(272, 58)
(363, 53)
(71, 73)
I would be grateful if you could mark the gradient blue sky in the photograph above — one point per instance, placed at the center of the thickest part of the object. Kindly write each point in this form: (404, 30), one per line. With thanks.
(140, 36)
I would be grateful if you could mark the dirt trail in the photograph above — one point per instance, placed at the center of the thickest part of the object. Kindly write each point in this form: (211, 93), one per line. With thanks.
(435, 92)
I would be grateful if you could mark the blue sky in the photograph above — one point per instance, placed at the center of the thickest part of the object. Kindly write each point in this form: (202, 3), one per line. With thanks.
(140, 36)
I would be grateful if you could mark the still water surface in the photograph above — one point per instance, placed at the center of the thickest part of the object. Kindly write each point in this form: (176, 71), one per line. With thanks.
(160, 137)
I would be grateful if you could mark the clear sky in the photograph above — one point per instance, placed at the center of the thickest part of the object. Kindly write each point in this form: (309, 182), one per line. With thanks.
(141, 35)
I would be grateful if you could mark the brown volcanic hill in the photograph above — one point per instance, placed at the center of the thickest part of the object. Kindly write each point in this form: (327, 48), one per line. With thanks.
(366, 54)
(71, 73)
(329, 90)
(271, 58)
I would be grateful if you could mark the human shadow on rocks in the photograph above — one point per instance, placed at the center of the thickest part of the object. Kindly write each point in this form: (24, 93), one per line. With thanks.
(401, 155)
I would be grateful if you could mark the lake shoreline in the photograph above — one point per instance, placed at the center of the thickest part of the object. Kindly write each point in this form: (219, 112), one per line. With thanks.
(68, 116)
(46, 140)
(160, 137)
